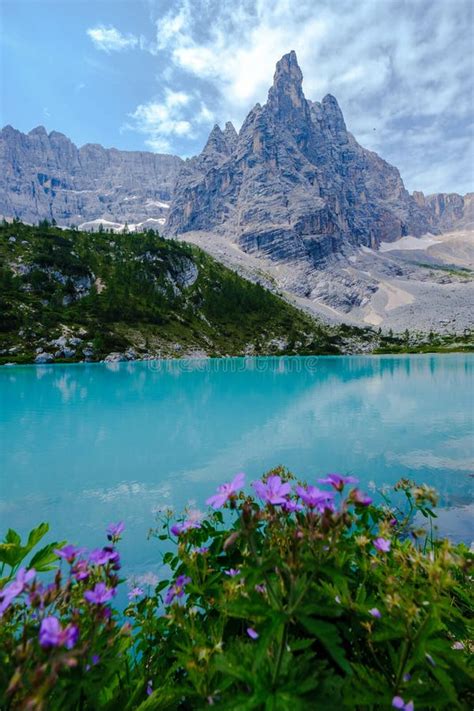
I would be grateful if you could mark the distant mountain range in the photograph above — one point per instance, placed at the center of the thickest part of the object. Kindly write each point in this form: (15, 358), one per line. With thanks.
(47, 177)
(293, 189)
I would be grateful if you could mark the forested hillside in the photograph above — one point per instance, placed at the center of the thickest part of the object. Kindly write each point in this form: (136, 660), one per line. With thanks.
(68, 295)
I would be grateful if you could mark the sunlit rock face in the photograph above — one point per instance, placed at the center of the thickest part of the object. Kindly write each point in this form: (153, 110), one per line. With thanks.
(448, 211)
(45, 176)
(294, 183)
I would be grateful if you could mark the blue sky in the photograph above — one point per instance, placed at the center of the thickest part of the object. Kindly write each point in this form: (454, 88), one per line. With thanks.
(157, 74)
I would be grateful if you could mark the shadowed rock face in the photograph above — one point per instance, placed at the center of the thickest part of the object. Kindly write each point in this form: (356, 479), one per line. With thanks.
(294, 183)
(46, 176)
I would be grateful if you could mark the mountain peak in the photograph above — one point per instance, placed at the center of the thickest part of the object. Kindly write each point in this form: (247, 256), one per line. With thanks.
(287, 73)
(38, 131)
(230, 133)
(216, 143)
(333, 114)
(286, 96)
(288, 65)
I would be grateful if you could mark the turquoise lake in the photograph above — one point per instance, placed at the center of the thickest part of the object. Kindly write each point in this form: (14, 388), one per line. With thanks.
(83, 445)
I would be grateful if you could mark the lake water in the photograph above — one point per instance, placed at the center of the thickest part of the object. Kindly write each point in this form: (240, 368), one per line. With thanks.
(82, 445)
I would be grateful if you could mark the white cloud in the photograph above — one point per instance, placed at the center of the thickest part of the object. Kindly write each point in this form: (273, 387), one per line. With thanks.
(165, 120)
(109, 39)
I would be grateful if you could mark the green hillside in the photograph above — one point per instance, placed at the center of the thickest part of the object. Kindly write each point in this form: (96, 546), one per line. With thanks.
(82, 295)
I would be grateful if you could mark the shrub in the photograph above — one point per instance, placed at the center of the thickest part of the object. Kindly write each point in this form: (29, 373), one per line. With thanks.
(295, 597)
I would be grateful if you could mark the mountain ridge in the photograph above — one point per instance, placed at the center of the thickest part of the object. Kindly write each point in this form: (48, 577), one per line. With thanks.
(46, 176)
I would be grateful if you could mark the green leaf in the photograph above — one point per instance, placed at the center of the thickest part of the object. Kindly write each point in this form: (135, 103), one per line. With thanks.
(36, 535)
(162, 700)
(329, 637)
(7, 553)
(300, 644)
(43, 560)
(445, 681)
(13, 537)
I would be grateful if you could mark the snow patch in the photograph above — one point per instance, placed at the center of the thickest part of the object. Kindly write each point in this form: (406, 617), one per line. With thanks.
(157, 203)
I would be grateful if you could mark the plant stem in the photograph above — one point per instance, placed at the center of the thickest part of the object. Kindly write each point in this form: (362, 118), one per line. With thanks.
(281, 649)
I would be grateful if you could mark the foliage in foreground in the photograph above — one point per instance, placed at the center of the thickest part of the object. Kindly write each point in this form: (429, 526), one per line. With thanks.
(297, 597)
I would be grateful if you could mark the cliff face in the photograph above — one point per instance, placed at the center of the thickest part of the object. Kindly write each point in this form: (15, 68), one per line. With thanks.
(47, 177)
(448, 211)
(294, 184)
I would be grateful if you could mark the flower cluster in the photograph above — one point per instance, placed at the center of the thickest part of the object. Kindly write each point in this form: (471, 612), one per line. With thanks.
(306, 594)
(14, 589)
(51, 634)
(177, 590)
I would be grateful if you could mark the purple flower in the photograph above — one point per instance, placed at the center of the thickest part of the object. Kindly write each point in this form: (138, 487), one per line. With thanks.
(69, 552)
(102, 556)
(178, 528)
(95, 659)
(81, 570)
(177, 589)
(261, 588)
(232, 572)
(15, 588)
(51, 634)
(114, 531)
(398, 703)
(226, 491)
(149, 688)
(253, 634)
(315, 498)
(272, 491)
(291, 506)
(100, 594)
(202, 550)
(382, 544)
(375, 613)
(337, 481)
(135, 592)
(357, 497)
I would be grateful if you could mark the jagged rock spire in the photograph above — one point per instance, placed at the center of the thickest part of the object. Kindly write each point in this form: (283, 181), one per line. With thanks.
(286, 95)
(286, 100)
(216, 141)
(333, 114)
(230, 133)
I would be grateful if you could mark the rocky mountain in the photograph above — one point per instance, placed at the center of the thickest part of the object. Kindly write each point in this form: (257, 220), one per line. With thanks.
(294, 198)
(294, 184)
(45, 176)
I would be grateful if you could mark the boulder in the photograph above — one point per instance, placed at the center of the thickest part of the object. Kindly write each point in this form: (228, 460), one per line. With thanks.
(43, 358)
